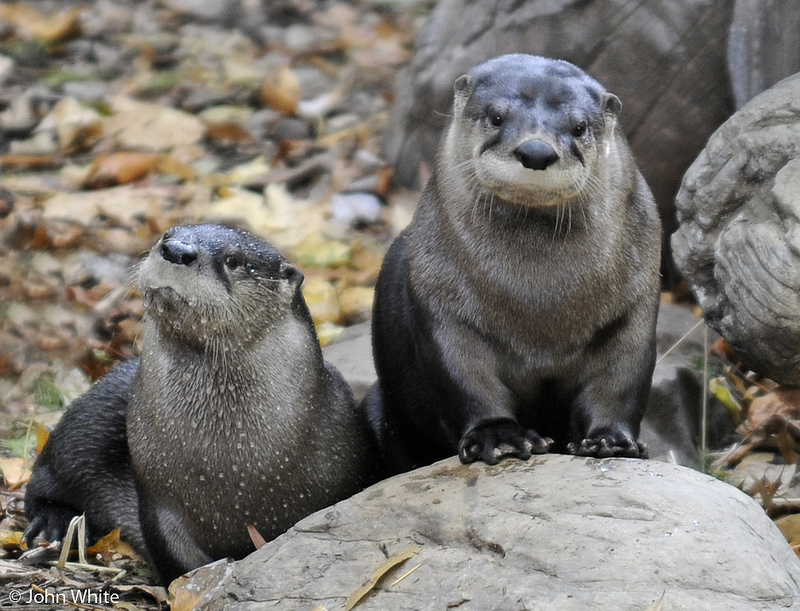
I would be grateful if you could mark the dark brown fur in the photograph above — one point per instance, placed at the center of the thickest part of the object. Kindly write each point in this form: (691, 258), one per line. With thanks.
(231, 416)
(519, 305)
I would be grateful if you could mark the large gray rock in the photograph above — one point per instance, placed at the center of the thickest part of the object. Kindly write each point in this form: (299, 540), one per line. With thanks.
(555, 532)
(738, 244)
(762, 46)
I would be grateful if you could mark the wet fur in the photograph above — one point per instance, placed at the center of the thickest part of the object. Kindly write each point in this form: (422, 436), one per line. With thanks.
(231, 417)
(511, 320)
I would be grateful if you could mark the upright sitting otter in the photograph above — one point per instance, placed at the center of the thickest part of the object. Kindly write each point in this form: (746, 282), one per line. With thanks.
(229, 418)
(519, 305)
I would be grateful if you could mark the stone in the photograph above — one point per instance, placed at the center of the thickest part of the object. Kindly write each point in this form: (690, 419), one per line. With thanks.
(555, 532)
(762, 45)
(738, 244)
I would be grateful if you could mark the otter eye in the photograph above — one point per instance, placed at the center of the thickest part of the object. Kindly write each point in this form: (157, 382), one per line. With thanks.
(232, 262)
(579, 129)
(495, 119)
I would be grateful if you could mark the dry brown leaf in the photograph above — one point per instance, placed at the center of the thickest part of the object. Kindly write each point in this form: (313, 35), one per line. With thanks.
(256, 537)
(112, 544)
(31, 23)
(120, 168)
(384, 568)
(783, 402)
(124, 204)
(281, 91)
(15, 471)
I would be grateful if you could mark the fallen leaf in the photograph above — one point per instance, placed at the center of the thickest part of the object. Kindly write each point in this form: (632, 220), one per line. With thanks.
(255, 536)
(322, 300)
(150, 127)
(316, 251)
(120, 168)
(112, 544)
(125, 204)
(15, 471)
(42, 435)
(31, 23)
(356, 303)
(76, 126)
(790, 528)
(281, 91)
(384, 568)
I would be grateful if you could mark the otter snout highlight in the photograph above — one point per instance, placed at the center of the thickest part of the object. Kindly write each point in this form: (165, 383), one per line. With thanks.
(177, 251)
(536, 154)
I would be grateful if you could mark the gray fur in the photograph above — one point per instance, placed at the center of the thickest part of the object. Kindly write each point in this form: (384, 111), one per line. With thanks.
(233, 417)
(520, 298)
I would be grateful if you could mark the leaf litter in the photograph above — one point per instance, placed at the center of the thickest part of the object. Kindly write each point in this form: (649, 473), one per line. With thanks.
(120, 119)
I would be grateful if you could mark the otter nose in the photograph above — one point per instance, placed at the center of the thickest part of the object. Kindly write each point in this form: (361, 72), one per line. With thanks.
(178, 252)
(535, 154)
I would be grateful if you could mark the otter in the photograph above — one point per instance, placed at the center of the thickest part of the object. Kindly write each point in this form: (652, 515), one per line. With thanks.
(229, 418)
(516, 313)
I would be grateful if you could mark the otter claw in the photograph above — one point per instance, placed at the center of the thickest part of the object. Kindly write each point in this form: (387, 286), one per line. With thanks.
(605, 447)
(492, 441)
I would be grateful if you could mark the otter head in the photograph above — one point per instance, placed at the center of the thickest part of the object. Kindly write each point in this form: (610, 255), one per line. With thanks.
(211, 285)
(531, 130)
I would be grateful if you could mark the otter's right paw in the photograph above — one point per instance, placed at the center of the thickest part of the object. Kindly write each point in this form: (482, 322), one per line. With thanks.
(492, 441)
(51, 522)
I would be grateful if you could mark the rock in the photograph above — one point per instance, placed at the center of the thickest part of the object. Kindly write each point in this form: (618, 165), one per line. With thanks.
(762, 46)
(223, 11)
(355, 209)
(351, 354)
(555, 532)
(672, 426)
(672, 423)
(666, 61)
(738, 244)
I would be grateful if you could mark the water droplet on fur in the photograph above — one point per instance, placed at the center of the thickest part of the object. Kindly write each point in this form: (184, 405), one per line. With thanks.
(202, 478)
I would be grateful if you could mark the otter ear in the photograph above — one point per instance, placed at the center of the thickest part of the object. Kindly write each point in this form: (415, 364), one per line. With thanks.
(462, 89)
(611, 104)
(463, 85)
(292, 274)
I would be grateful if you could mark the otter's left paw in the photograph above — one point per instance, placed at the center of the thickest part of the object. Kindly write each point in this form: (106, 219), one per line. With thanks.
(492, 441)
(607, 446)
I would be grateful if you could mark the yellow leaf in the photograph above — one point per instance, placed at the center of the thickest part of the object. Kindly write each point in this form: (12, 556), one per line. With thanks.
(317, 251)
(15, 471)
(720, 390)
(42, 435)
(384, 568)
(322, 300)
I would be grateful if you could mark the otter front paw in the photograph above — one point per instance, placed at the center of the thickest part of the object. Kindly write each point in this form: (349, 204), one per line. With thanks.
(51, 522)
(605, 446)
(492, 441)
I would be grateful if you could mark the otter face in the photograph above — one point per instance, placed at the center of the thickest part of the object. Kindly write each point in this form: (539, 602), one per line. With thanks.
(530, 130)
(206, 283)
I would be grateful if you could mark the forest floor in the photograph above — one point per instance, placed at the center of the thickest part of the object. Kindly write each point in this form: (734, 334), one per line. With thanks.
(119, 119)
